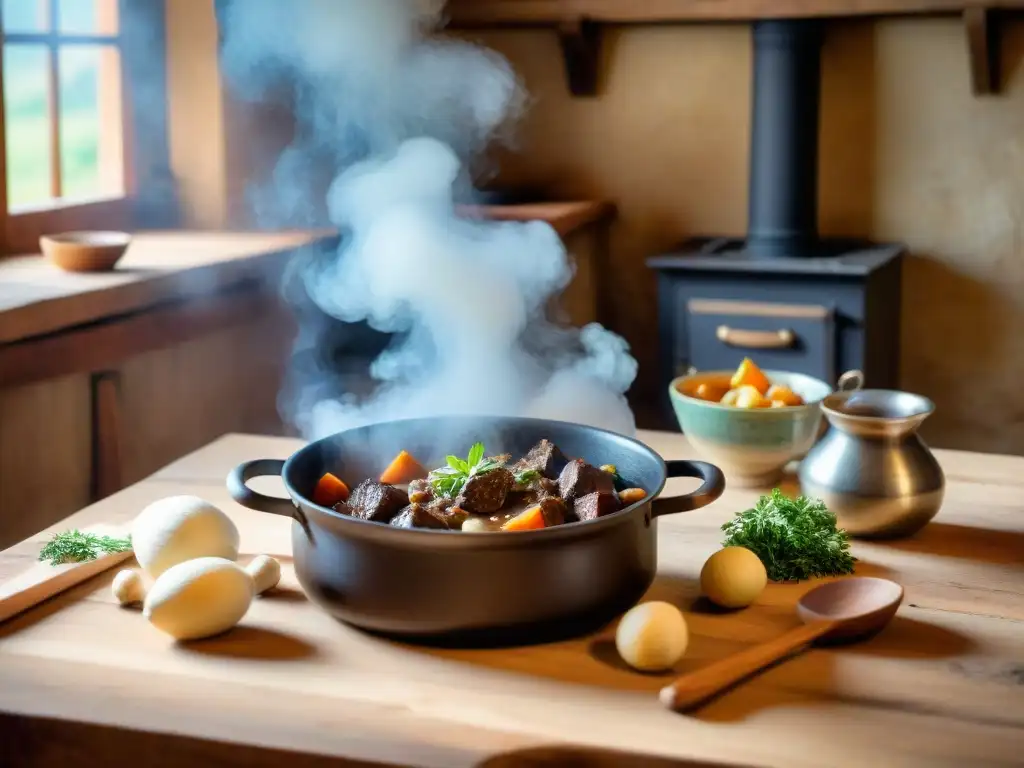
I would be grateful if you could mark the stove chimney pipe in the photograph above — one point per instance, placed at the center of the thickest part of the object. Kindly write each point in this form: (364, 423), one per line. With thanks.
(783, 192)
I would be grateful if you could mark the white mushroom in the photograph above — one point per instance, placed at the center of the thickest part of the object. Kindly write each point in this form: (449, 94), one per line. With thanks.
(265, 572)
(128, 587)
(179, 528)
(199, 598)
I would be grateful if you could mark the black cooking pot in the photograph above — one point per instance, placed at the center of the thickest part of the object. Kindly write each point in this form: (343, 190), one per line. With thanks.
(475, 588)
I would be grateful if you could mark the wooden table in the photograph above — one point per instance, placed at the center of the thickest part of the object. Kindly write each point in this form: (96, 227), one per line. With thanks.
(82, 680)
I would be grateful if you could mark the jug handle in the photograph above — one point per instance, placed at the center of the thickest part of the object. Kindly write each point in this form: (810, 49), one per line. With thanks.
(850, 381)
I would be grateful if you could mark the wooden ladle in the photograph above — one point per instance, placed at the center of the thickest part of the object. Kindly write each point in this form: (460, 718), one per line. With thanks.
(844, 610)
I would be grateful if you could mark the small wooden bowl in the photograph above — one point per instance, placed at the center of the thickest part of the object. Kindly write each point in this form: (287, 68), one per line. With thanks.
(85, 251)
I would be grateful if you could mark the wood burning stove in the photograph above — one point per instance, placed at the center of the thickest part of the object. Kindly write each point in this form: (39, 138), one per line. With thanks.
(783, 295)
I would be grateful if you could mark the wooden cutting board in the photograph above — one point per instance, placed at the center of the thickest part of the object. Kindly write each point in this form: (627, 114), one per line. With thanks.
(42, 581)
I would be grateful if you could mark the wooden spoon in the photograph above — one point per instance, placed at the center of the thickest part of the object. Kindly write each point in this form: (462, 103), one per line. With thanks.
(844, 610)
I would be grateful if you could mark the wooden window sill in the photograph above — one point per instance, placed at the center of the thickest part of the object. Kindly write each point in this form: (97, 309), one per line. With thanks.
(37, 299)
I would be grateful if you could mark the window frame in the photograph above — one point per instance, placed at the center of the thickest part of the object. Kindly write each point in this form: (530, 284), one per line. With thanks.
(149, 198)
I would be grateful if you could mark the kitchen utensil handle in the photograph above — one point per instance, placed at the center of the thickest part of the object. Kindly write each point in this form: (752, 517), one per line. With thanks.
(850, 381)
(710, 489)
(690, 690)
(738, 337)
(244, 495)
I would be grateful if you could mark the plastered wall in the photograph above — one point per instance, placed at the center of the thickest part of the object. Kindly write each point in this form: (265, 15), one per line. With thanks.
(907, 153)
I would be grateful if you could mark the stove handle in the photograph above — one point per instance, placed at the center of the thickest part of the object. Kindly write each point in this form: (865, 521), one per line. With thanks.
(738, 337)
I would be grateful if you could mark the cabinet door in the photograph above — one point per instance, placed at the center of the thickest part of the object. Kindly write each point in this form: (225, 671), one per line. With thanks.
(798, 338)
(173, 401)
(45, 455)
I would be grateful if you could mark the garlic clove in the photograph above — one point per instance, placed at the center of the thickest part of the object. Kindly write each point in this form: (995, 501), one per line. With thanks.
(128, 587)
(265, 572)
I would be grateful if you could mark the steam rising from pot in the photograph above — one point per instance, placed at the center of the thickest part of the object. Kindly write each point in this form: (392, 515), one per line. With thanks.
(396, 117)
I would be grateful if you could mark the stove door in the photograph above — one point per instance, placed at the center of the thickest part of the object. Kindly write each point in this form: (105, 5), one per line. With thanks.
(798, 338)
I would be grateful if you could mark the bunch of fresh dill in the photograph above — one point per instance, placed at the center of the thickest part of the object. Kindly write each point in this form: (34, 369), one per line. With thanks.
(794, 538)
(77, 547)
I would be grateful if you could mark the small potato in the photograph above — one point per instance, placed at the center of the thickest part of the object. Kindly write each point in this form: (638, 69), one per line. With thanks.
(475, 524)
(730, 397)
(784, 395)
(733, 577)
(749, 397)
(652, 637)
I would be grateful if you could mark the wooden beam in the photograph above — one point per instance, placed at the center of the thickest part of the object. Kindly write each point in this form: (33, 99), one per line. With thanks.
(581, 50)
(983, 50)
(106, 435)
(102, 346)
(484, 13)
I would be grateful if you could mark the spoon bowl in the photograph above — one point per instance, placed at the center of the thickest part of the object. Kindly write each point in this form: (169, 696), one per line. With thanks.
(839, 611)
(858, 607)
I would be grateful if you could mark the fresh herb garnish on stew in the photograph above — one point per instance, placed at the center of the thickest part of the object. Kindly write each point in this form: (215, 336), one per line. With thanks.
(77, 547)
(794, 538)
(449, 480)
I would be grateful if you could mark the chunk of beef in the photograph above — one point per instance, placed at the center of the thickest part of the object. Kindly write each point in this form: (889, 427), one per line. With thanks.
(342, 508)
(580, 479)
(377, 501)
(437, 516)
(420, 492)
(418, 516)
(440, 505)
(596, 504)
(532, 492)
(545, 458)
(485, 493)
(553, 509)
(453, 516)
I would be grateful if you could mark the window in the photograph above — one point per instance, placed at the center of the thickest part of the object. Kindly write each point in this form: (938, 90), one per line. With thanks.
(68, 71)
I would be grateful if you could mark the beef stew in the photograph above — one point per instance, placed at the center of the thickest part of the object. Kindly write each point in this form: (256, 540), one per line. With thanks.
(542, 489)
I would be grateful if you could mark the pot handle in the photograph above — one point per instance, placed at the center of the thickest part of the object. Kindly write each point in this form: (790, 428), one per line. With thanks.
(244, 495)
(711, 489)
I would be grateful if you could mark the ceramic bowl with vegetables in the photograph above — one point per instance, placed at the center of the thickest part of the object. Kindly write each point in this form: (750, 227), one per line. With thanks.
(749, 422)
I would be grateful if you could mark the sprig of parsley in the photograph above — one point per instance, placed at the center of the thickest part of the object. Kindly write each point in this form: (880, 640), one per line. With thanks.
(77, 547)
(449, 480)
(794, 538)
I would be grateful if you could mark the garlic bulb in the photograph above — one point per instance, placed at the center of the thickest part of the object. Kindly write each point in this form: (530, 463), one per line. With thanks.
(180, 528)
(199, 598)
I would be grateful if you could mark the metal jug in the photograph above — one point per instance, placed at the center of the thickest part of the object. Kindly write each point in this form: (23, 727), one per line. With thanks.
(871, 468)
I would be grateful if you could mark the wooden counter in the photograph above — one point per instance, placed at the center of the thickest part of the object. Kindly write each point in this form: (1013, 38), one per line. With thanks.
(942, 685)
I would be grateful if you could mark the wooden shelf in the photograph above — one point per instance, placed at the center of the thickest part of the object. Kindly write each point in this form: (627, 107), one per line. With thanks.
(485, 13)
(565, 217)
(579, 23)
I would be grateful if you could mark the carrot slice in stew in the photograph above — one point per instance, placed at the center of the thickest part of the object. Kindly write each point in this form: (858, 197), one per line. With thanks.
(530, 520)
(329, 491)
(403, 469)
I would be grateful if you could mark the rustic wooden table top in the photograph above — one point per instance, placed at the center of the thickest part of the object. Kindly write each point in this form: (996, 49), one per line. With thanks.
(942, 685)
